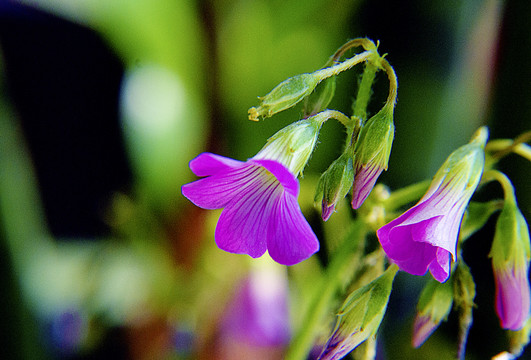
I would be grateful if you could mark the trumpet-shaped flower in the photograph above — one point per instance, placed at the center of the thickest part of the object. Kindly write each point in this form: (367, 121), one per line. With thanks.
(425, 236)
(259, 196)
(260, 212)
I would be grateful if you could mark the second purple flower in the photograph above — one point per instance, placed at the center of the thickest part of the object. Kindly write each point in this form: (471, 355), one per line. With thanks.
(425, 236)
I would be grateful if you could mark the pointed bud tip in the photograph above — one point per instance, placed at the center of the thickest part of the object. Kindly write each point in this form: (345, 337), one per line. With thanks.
(328, 210)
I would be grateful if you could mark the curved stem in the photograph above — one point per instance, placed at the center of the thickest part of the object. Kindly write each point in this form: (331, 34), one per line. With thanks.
(502, 147)
(393, 81)
(367, 44)
(333, 114)
(508, 189)
(345, 65)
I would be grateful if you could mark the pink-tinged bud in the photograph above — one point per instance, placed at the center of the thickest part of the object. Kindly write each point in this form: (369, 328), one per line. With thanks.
(360, 316)
(372, 153)
(510, 261)
(334, 184)
(434, 304)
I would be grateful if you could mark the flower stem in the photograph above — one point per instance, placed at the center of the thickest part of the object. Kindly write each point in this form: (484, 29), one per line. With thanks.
(333, 114)
(331, 282)
(364, 91)
(345, 65)
(508, 189)
(393, 81)
(502, 147)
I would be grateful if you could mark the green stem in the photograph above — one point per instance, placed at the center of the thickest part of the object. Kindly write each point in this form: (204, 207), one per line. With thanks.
(345, 65)
(325, 292)
(508, 189)
(393, 81)
(333, 114)
(364, 91)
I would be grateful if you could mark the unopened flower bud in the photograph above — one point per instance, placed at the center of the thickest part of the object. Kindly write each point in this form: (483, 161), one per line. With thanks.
(319, 99)
(372, 153)
(434, 305)
(360, 316)
(334, 184)
(510, 255)
(284, 95)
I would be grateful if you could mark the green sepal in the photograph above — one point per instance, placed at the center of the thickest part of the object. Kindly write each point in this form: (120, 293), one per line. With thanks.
(376, 138)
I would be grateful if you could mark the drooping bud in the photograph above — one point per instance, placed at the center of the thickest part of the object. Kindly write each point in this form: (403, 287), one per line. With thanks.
(434, 305)
(334, 184)
(372, 153)
(360, 316)
(510, 255)
(284, 95)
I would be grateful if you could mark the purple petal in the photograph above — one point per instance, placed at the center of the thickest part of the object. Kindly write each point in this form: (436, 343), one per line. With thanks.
(400, 245)
(364, 181)
(244, 223)
(291, 238)
(207, 164)
(440, 266)
(216, 191)
(288, 181)
(512, 298)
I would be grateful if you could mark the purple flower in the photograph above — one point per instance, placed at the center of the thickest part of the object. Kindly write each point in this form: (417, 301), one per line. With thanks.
(424, 237)
(512, 297)
(260, 209)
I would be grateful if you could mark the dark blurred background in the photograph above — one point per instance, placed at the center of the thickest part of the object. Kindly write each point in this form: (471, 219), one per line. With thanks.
(103, 104)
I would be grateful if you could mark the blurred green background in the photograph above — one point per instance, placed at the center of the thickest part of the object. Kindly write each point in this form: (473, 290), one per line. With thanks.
(104, 103)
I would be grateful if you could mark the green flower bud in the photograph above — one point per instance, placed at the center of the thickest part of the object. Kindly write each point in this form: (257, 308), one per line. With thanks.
(372, 153)
(510, 255)
(319, 99)
(284, 95)
(334, 184)
(434, 305)
(360, 316)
